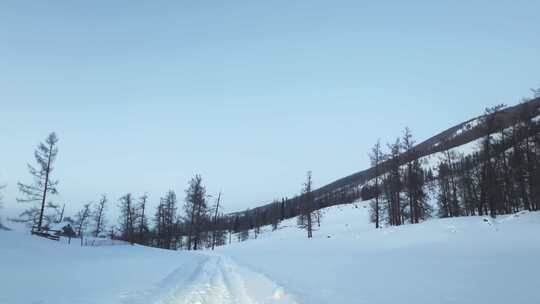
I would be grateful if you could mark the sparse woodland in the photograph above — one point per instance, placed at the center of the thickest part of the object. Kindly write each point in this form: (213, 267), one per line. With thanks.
(501, 175)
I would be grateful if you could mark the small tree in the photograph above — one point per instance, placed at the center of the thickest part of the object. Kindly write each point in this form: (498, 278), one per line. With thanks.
(376, 158)
(127, 218)
(81, 220)
(43, 184)
(142, 229)
(275, 214)
(196, 211)
(98, 215)
(307, 208)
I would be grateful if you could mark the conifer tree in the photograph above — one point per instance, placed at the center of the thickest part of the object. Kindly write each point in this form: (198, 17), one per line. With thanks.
(43, 185)
(196, 211)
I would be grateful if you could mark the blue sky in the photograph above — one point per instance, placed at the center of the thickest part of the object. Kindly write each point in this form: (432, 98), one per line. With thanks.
(250, 94)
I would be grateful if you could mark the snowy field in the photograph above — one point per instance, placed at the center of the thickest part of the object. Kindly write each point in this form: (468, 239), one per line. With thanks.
(463, 260)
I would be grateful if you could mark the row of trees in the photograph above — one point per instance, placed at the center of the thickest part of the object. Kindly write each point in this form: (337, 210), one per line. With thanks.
(400, 195)
(198, 227)
(499, 176)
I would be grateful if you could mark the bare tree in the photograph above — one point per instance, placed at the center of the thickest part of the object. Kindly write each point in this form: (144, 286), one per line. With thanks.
(142, 229)
(307, 207)
(127, 218)
(81, 220)
(376, 158)
(43, 185)
(196, 211)
(393, 186)
(98, 215)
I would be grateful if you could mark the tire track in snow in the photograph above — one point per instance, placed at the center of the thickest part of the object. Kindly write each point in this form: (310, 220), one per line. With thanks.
(213, 279)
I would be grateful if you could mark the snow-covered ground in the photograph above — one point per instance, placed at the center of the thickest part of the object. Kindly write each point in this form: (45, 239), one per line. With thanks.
(458, 260)
(463, 260)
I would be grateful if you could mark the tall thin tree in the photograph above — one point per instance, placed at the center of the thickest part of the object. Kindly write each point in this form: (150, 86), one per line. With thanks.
(98, 215)
(307, 208)
(43, 184)
(196, 211)
(376, 157)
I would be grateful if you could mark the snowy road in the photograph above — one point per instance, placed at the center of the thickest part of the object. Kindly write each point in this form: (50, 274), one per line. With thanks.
(213, 280)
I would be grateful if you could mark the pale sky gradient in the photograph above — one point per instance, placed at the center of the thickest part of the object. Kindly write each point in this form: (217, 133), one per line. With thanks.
(250, 94)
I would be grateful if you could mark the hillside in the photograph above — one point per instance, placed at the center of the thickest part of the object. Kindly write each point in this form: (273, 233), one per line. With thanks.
(347, 261)
(437, 261)
(348, 189)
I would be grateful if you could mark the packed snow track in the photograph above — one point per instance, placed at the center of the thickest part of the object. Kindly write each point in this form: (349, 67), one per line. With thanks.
(213, 280)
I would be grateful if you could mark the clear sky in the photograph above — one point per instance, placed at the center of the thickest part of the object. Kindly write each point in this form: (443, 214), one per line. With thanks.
(250, 94)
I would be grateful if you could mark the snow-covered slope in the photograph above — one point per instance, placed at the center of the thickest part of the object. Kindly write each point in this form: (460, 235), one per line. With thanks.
(460, 260)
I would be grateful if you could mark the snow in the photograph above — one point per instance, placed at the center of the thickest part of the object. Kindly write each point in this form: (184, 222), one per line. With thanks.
(36, 270)
(457, 260)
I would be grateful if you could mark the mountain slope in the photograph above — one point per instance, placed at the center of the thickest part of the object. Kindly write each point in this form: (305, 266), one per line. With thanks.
(456, 136)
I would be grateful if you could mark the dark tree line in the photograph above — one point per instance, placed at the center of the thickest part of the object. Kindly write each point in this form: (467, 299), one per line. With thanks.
(499, 176)
(399, 196)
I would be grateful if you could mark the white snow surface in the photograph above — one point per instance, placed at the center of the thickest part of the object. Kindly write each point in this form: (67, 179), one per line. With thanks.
(460, 260)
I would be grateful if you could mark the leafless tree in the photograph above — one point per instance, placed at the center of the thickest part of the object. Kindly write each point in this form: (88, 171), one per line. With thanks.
(81, 220)
(307, 207)
(196, 211)
(98, 215)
